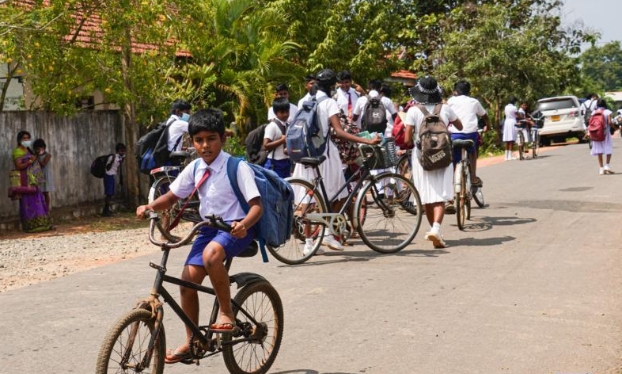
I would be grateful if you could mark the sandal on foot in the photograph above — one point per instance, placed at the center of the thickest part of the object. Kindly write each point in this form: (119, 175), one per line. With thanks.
(223, 328)
(173, 356)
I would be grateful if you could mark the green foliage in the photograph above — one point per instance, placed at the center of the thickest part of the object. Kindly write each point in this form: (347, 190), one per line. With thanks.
(235, 146)
(601, 68)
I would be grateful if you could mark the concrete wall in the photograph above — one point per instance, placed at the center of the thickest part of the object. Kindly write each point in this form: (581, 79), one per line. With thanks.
(73, 142)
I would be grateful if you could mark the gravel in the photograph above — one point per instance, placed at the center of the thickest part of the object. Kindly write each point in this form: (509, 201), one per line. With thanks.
(31, 260)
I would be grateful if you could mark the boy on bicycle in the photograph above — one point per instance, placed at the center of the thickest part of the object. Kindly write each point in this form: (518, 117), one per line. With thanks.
(212, 246)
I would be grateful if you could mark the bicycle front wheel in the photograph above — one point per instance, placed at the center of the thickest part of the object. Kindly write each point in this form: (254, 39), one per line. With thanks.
(520, 141)
(306, 201)
(403, 167)
(126, 346)
(478, 196)
(393, 213)
(461, 196)
(535, 144)
(262, 330)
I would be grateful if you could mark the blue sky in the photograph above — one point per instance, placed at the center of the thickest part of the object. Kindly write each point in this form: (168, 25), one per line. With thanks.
(598, 15)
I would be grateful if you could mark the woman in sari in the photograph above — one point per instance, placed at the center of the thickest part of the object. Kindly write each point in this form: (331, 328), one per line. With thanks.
(32, 208)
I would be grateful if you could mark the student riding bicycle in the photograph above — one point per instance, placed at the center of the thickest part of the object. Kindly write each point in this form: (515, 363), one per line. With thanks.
(217, 197)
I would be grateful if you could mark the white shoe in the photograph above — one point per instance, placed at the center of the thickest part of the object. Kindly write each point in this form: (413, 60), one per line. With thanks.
(601, 171)
(436, 238)
(332, 243)
(309, 248)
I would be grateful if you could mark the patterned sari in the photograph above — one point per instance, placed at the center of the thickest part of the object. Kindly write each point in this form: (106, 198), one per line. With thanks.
(33, 211)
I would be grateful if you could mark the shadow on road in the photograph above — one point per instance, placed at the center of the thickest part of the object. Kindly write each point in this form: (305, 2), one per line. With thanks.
(506, 221)
(309, 371)
(484, 242)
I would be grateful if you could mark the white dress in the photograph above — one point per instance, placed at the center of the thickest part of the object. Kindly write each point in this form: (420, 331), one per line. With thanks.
(604, 147)
(509, 126)
(437, 185)
(331, 168)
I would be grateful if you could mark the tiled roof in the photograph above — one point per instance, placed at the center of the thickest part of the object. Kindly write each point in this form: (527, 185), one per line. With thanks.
(89, 30)
(404, 74)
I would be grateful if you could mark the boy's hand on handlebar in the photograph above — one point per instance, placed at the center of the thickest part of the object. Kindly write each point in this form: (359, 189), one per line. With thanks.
(238, 230)
(375, 140)
(141, 211)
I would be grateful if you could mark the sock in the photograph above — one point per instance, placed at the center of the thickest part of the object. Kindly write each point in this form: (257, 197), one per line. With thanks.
(436, 227)
(506, 154)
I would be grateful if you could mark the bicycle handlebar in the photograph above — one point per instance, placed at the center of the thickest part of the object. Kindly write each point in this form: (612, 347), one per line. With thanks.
(211, 221)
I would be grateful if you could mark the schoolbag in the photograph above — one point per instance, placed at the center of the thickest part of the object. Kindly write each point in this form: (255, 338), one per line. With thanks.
(277, 199)
(399, 129)
(348, 151)
(255, 153)
(305, 137)
(99, 166)
(434, 140)
(596, 126)
(374, 116)
(152, 148)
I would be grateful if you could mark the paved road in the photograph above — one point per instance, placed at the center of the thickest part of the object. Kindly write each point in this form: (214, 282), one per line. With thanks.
(533, 286)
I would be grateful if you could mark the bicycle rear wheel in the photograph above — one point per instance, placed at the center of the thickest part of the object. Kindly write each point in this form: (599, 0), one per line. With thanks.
(535, 144)
(393, 213)
(260, 341)
(306, 201)
(403, 167)
(461, 198)
(126, 346)
(520, 141)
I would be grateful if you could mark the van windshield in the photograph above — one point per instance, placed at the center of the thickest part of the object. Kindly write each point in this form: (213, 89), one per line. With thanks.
(556, 104)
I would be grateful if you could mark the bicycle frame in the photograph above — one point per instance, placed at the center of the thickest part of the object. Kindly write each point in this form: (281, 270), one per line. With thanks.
(364, 176)
(205, 340)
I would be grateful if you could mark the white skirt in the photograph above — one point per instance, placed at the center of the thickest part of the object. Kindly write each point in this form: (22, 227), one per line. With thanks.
(509, 130)
(433, 186)
(331, 170)
(605, 147)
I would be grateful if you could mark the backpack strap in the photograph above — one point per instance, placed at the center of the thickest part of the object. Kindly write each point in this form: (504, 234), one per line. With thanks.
(423, 109)
(175, 222)
(437, 109)
(232, 174)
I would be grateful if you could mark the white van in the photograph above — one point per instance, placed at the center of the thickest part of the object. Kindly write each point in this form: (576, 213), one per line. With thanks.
(562, 119)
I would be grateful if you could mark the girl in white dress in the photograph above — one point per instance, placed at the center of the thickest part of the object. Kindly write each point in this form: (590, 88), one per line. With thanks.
(436, 186)
(509, 128)
(606, 146)
(331, 168)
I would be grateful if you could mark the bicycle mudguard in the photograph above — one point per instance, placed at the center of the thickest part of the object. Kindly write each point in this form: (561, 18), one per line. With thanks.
(242, 279)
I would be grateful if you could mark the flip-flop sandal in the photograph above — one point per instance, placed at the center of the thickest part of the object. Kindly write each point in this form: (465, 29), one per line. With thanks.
(223, 328)
(172, 356)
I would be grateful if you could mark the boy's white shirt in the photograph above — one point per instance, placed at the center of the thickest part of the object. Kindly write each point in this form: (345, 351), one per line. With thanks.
(273, 132)
(176, 128)
(115, 164)
(216, 194)
(292, 113)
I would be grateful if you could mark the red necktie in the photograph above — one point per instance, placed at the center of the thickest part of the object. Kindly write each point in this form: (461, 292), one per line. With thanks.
(349, 106)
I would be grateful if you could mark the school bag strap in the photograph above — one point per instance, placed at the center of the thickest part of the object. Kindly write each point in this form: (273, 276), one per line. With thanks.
(232, 172)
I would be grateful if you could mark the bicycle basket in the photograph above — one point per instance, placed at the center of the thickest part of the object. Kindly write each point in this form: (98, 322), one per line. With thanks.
(381, 156)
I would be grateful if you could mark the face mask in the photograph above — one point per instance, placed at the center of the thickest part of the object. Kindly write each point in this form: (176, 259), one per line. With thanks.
(185, 117)
(27, 143)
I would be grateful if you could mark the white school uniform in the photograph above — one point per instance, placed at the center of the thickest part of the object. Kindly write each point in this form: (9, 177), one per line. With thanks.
(176, 130)
(509, 126)
(436, 185)
(272, 133)
(388, 105)
(330, 169)
(216, 194)
(292, 113)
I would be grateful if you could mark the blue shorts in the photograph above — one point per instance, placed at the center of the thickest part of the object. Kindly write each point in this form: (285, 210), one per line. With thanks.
(283, 168)
(108, 185)
(457, 152)
(233, 246)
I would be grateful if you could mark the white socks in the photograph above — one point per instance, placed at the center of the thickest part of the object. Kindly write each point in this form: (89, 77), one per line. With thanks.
(436, 228)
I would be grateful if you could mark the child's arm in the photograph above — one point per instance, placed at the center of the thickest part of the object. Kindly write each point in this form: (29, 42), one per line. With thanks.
(252, 217)
(46, 159)
(342, 134)
(161, 203)
(270, 145)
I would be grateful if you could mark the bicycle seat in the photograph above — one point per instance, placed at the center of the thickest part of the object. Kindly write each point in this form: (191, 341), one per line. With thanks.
(462, 143)
(179, 154)
(251, 250)
(312, 161)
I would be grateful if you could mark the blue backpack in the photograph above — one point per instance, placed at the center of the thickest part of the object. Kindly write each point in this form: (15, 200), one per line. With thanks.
(277, 197)
(305, 137)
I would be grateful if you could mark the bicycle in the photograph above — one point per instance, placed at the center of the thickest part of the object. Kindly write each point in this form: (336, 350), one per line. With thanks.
(387, 209)
(136, 343)
(464, 189)
(521, 141)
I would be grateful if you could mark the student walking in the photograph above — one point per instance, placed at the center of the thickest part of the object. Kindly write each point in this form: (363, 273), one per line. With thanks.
(113, 165)
(274, 139)
(604, 147)
(509, 128)
(435, 186)
(212, 246)
(178, 124)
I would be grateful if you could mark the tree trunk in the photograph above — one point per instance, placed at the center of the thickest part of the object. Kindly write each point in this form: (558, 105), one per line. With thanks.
(131, 128)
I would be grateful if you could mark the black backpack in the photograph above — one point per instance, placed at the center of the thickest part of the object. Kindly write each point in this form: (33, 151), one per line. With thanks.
(374, 116)
(255, 153)
(100, 165)
(152, 148)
